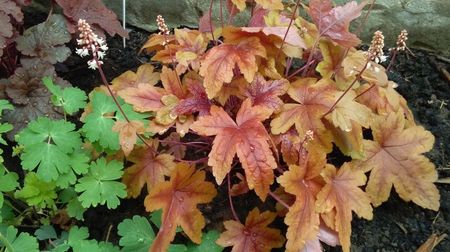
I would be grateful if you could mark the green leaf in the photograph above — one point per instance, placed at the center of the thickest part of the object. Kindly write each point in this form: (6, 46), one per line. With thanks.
(4, 104)
(137, 234)
(45, 232)
(177, 248)
(6, 212)
(8, 181)
(208, 243)
(77, 234)
(47, 145)
(99, 185)
(74, 208)
(70, 98)
(156, 217)
(37, 192)
(21, 242)
(98, 124)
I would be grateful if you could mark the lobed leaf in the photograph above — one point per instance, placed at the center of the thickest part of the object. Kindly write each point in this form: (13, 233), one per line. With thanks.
(247, 137)
(254, 236)
(179, 198)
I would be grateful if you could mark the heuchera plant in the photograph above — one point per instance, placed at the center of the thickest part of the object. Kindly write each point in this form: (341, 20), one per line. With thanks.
(261, 109)
(286, 110)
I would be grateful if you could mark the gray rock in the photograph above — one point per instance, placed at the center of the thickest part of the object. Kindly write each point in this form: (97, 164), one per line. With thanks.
(427, 21)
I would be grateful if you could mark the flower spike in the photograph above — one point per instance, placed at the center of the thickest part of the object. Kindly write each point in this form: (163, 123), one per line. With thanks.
(90, 42)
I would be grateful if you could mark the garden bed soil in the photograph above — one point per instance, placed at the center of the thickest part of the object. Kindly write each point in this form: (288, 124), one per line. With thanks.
(396, 226)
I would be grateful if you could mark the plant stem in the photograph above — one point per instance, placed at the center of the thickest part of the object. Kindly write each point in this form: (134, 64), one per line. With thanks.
(273, 195)
(106, 83)
(289, 27)
(392, 61)
(7, 244)
(210, 20)
(365, 91)
(300, 69)
(230, 199)
(357, 77)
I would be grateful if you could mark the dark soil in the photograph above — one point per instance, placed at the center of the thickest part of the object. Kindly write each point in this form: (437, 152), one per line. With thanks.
(396, 226)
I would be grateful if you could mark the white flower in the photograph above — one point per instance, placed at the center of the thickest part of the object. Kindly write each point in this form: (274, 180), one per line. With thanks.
(101, 54)
(93, 64)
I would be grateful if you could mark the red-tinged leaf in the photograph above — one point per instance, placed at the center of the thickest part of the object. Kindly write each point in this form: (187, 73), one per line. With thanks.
(172, 83)
(334, 22)
(144, 97)
(178, 198)
(247, 138)
(343, 194)
(271, 4)
(157, 42)
(128, 134)
(218, 64)
(198, 100)
(257, 19)
(173, 142)
(205, 23)
(292, 37)
(267, 93)
(94, 12)
(302, 218)
(145, 74)
(313, 100)
(241, 187)
(148, 168)
(254, 236)
(395, 159)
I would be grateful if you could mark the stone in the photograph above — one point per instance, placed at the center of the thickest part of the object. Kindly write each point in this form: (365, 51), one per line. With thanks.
(427, 22)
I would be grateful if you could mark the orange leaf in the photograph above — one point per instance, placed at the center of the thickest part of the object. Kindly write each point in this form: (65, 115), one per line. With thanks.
(313, 100)
(343, 194)
(172, 83)
(395, 158)
(179, 198)
(145, 75)
(254, 236)
(144, 97)
(302, 218)
(219, 63)
(128, 134)
(147, 168)
(334, 22)
(247, 137)
(198, 101)
(266, 93)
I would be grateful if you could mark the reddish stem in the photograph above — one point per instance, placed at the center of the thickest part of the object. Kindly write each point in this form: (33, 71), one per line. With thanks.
(273, 195)
(289, 27)
(392, 61)
(231, 200)
(365, 91)
(210, 21)
(357, 77)
(106, 83)
(300, 69)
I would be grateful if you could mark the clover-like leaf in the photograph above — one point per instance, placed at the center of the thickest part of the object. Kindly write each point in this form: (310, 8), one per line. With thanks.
(37, 192)
(136, 234)
(179, 198)
(99, 122)
(99, 186)
(70, 98)
(47, 146)
(46, 40)
(208, 243)
(18, 241)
